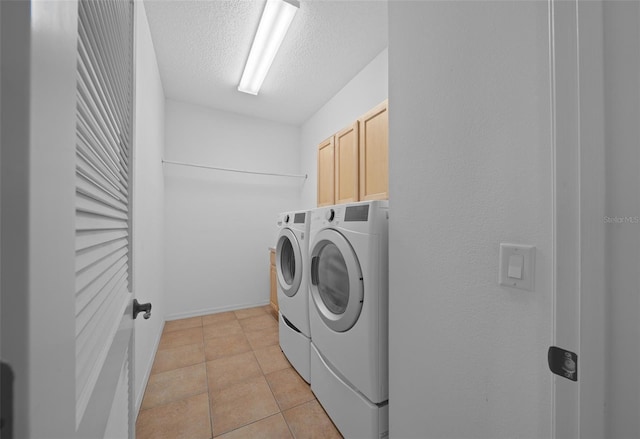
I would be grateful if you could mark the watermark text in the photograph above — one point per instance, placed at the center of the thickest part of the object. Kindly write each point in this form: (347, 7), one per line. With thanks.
(622, 219)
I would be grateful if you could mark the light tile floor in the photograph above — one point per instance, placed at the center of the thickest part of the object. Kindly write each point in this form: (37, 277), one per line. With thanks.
(224, 375)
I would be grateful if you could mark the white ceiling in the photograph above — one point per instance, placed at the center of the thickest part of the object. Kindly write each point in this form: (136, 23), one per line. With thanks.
(202, 47)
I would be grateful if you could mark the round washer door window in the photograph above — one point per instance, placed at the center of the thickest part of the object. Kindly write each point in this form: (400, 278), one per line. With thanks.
(288, 263)
(336, 280)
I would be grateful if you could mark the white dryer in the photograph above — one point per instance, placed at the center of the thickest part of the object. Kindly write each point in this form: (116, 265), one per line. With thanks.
(292, 266)
(348, 312)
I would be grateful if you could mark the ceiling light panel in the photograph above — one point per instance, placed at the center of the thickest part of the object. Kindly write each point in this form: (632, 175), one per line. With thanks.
(274, 24)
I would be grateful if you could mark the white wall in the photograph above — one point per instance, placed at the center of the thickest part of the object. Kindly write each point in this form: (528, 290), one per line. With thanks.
(470, 167)
(367, 89)
(219, 225)
(622, 137)
(148, 204)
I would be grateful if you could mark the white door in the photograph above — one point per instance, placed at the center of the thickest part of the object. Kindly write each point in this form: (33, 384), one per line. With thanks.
(66, 136)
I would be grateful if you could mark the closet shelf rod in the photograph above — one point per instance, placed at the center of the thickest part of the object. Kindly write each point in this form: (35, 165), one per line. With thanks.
(241, 171)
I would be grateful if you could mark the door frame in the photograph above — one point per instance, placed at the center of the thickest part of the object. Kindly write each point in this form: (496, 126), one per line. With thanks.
(579, 275)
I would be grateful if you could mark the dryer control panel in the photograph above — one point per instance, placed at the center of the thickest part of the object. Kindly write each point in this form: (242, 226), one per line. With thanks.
(357, 213)
(363, 216)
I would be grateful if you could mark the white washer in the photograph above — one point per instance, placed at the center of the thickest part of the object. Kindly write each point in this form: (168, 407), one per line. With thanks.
(348, 312)
(292, 266)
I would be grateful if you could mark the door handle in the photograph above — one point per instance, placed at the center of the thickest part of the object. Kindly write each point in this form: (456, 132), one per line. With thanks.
(314, 270)
(141, 307)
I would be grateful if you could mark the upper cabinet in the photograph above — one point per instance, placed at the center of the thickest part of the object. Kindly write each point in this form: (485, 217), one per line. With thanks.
(325, 173)
(353, 164)
(346, 165)
(374, 154)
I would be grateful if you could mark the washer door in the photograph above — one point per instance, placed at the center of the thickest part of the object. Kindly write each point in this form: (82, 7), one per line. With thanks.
(337, 288)
(288, 262)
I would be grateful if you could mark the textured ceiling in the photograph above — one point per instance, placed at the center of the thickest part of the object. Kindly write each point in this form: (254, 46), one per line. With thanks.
(202, 47)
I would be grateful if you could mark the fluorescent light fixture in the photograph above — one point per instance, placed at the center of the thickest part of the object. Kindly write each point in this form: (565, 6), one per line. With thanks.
(274, 24)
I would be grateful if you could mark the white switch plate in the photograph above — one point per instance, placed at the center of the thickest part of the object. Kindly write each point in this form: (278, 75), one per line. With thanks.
(528, 252)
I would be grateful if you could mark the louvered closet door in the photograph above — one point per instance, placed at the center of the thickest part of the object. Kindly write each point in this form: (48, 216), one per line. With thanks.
(103, 208)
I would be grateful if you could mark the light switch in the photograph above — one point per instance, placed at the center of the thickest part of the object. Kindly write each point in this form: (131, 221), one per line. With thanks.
(517, 266)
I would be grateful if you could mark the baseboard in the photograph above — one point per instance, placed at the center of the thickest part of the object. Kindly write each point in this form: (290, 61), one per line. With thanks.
(147, 374)
(203, 312)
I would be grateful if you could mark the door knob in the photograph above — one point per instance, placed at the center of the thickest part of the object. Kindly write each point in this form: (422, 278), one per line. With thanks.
(141, 307)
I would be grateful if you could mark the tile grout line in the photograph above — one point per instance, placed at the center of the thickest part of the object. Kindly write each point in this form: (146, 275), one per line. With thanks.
(280, 412)
(274, 396)
(271, 390)
(206, 377)
(253, 422)
(210, 390)
(163, 372)
(244, 333)
(171, 370)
